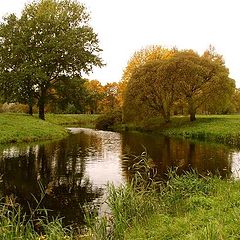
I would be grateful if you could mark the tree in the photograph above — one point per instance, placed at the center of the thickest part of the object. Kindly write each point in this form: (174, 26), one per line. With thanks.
(154, 85)
(95, 94)
(134, 107)
(141, 57)
(75, 99)
(236, 100)
(111, 98)
(177, 78)
(52, 38)
(201, 78)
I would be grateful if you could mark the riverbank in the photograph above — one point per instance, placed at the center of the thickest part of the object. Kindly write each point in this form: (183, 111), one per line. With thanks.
(81, 120)
(15, 128)
(215, 128)
(187, 207)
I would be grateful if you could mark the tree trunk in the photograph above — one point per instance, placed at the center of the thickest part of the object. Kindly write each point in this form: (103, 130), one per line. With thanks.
(192, 116)
(167, 117)
(30, 109)
(192, 111)
(41, 104)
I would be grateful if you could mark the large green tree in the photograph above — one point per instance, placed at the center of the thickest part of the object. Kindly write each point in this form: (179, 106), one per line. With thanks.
(50, 39)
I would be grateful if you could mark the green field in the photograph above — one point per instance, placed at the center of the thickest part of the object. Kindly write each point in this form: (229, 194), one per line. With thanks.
(218, 128)
(16, 128)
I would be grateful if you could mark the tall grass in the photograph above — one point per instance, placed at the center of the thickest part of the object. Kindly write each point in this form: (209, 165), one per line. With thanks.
(127, 206)
(189, 207)
(15, 224)
(128, 203)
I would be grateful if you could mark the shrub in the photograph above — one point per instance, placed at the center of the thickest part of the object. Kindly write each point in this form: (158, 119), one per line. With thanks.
(108, 120)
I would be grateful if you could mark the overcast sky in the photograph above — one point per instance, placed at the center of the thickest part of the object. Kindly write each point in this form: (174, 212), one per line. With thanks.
(125, 26)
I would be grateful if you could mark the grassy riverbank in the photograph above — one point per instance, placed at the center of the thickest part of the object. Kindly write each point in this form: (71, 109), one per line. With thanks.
(216, 128)
(16, 128)
(82, 120)
(187, 207)
(193, 209)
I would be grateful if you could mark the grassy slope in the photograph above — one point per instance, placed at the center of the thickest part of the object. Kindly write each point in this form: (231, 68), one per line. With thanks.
(24, 128)
(217, 128)
(222, 129)
(196, 216)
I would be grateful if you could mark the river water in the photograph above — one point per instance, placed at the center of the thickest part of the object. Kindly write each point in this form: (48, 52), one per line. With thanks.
(75, 170)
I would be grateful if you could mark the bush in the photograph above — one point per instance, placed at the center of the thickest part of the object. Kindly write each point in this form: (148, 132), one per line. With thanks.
(108, 120)
(14, 107)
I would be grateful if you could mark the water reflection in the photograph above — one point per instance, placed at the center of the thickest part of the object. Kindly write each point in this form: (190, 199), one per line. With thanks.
(76, 170)
(72, 172)
(183, 154)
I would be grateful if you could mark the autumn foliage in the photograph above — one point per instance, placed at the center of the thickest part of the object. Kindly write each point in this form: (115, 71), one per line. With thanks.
(158, 81)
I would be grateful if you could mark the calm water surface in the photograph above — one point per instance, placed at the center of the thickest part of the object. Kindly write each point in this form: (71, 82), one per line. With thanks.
(76, 170)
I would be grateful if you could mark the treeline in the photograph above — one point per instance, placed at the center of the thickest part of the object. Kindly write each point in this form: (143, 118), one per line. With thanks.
(157, 81)
(45, 51)
(76, 95)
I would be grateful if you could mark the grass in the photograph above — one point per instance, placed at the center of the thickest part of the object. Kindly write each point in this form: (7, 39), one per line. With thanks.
(83, 120)
(199, 215)
(15, 128)
(15, 225)
(186, 207)
(222, 129)
(216, 128)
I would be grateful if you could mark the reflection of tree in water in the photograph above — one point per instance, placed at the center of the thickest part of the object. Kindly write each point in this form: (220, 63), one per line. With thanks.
(60, 168)
(171, 153)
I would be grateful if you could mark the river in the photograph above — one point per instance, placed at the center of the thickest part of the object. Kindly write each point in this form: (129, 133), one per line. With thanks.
(76, 170)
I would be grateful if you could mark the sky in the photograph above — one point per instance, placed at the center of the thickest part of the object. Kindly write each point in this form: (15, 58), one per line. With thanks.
(126, 26)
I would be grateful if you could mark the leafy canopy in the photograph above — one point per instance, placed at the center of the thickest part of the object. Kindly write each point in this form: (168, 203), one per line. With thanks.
(50, 39)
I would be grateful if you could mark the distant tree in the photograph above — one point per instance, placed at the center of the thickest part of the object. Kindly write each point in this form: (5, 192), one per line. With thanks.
(236, 100)
(111, 98)
(177, 78)
(75, 98)
(51, 38)
(95, 94)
